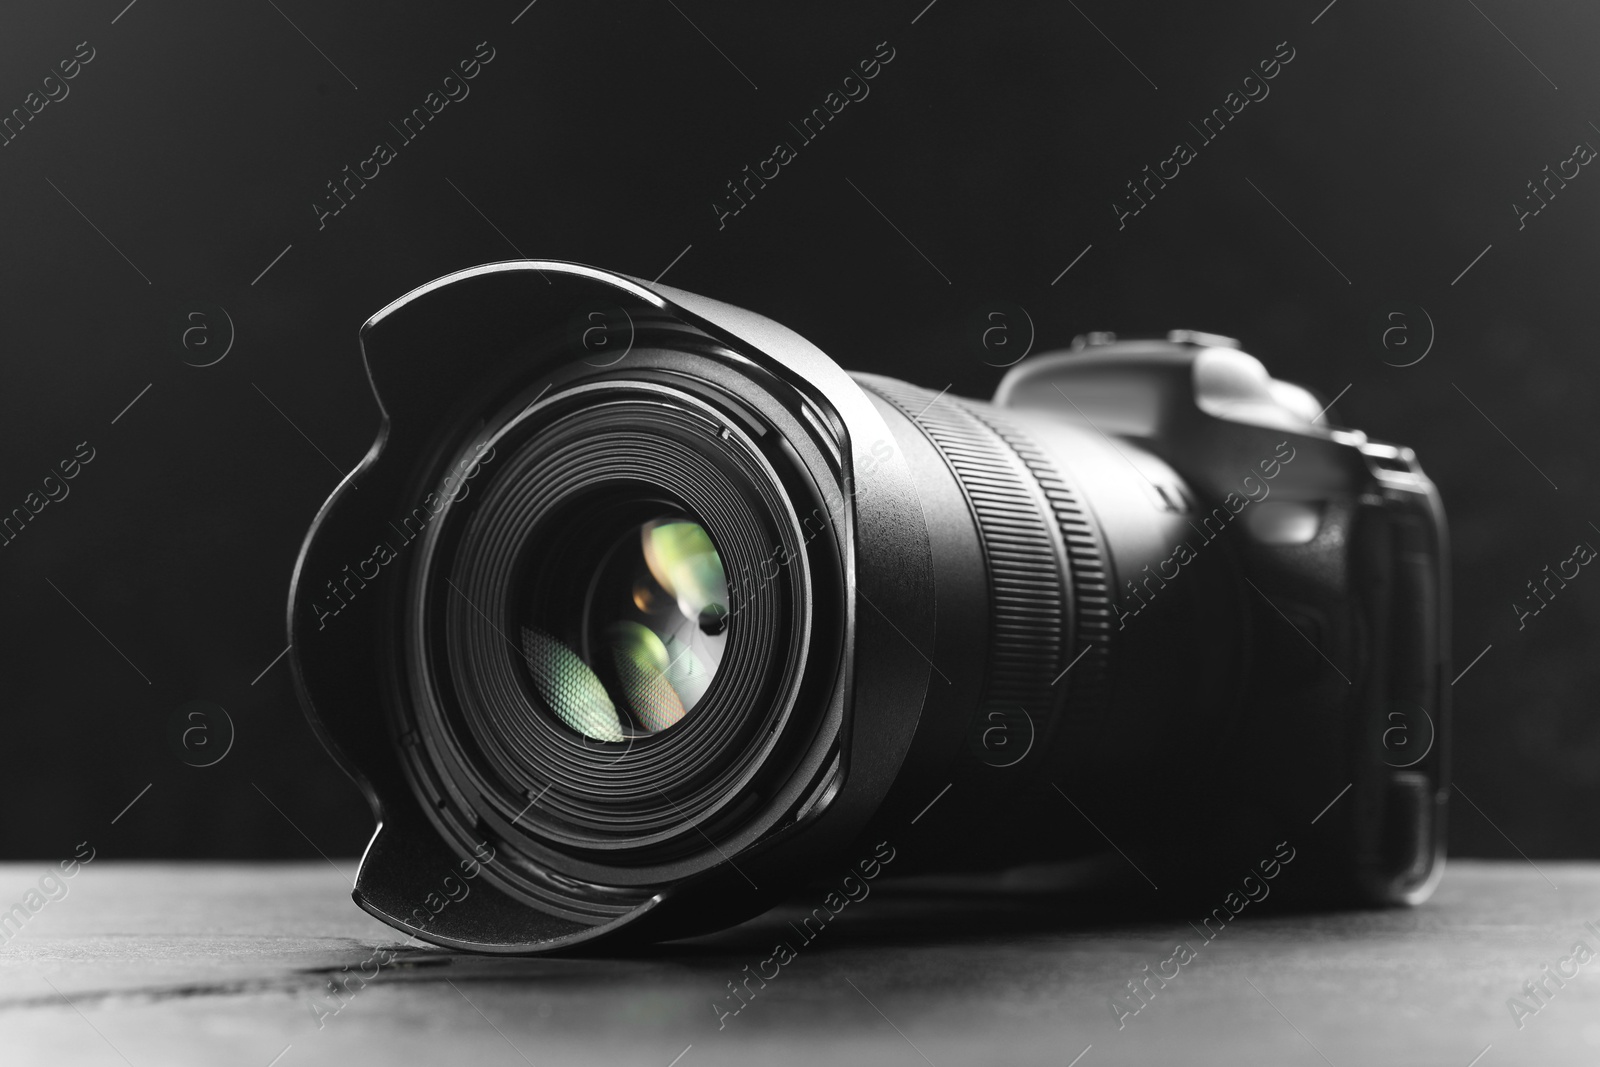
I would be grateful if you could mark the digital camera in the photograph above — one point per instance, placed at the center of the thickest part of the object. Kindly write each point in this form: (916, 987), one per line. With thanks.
(642, 613)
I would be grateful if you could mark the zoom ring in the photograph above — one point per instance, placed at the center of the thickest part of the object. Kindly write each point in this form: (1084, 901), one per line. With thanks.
(1028, 595)
(1087, 682)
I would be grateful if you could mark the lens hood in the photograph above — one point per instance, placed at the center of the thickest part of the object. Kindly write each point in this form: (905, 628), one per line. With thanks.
(459, 367)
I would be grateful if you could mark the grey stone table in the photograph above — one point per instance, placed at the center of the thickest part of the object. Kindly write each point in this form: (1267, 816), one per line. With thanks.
(165, 964)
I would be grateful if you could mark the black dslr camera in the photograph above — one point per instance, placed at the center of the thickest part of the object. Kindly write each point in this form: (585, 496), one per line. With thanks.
(641, 613)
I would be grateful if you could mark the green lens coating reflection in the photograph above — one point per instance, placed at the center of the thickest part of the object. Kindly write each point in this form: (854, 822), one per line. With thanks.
(642, 663)
(653, 627)
(685, 563)
(570, 688)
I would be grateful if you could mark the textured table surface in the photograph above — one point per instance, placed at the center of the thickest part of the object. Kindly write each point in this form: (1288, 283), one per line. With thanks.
(150, 964)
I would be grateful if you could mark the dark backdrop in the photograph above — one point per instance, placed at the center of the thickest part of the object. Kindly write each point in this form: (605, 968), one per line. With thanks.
(187, 155)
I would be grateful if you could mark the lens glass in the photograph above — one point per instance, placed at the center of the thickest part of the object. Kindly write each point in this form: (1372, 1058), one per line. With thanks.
(639, 649)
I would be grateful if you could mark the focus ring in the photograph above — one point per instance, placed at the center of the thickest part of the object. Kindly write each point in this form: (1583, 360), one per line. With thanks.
(1088, 682)
(1028, 596)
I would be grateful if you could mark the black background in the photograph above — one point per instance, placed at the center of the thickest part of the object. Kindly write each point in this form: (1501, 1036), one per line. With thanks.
(996, 141)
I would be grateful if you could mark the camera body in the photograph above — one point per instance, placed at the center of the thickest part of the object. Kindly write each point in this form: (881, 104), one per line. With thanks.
(1334, 566)
(1147, 596)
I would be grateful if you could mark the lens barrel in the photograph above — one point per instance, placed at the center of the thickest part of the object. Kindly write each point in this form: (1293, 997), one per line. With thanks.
(645, 613)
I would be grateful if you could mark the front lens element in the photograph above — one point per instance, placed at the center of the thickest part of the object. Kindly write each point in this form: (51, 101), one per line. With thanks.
(643, 647)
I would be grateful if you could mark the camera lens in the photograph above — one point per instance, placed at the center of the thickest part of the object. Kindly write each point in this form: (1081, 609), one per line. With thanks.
(673, 632)
(606, 658)
(644, 646)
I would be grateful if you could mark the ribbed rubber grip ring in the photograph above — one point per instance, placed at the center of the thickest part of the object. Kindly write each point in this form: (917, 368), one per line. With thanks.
(1029, 595)
(1088, 683)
